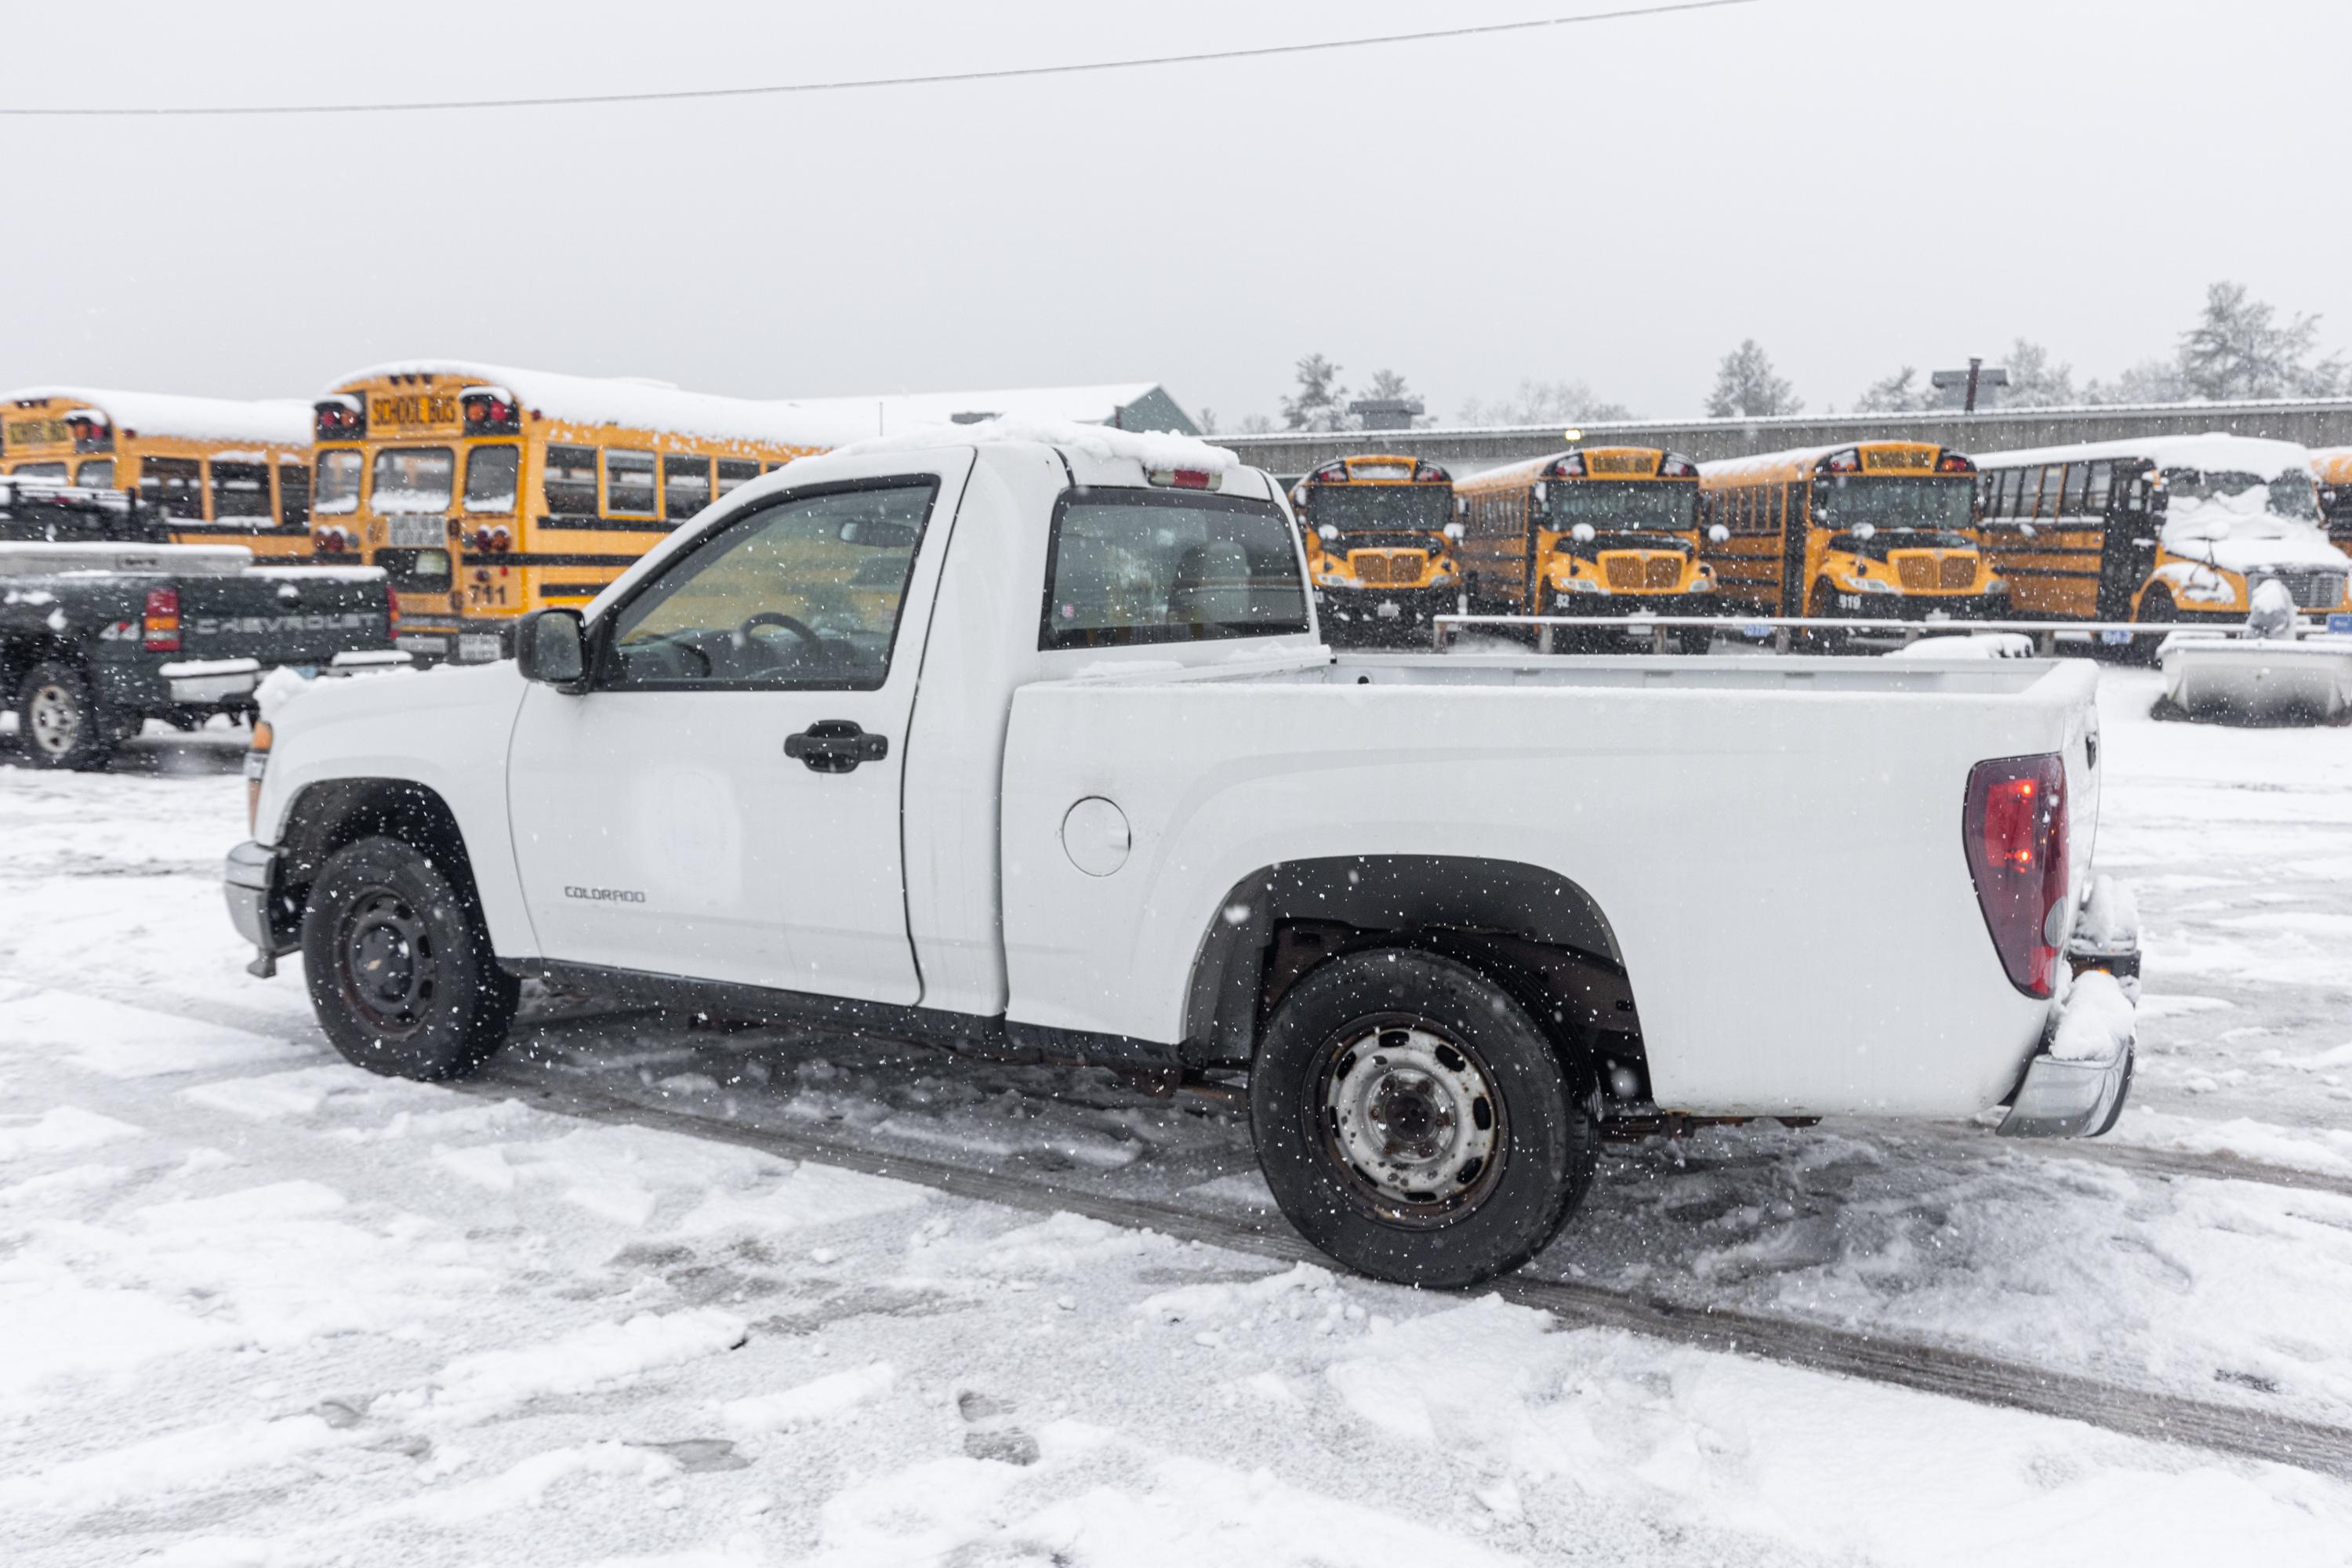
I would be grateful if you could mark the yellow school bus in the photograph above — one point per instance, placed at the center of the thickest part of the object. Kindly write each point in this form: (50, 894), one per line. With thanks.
(2159, 529)
(487, 492)
(1595, 531)
(1879, 530)
(1380, 532)
(2332, 465)
(220, 471)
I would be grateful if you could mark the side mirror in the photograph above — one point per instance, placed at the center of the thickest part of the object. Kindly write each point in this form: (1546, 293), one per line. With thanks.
(552, 650)
(1718, 535)
(1581, 534)
(1454, 531)
(1865, 530)
(1328, 534)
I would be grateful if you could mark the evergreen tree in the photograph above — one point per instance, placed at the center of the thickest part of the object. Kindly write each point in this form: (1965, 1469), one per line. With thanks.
(2034, 381)
(2238, 350)
(1388, 384)
(2150, 381)
(1321, 403)
(1746, 384)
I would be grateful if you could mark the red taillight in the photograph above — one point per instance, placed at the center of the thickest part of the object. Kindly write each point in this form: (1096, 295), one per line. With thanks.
(1570, 468)
(1431, 474)
(1846, 462)
(1954, 463)
(160, 630)
(2015, 829)
(1188, 478)
(1332, 473)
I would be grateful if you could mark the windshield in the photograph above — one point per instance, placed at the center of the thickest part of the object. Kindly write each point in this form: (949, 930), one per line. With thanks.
(337, 490)
(1845, 501)
(1614, 505)
(1358, 510)
(1146, 566)
(2212, 504)
(1589, 549)
(1885, 539)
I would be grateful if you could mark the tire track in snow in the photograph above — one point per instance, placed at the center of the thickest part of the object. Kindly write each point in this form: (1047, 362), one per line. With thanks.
(2234, 1429)
(2237, 1430)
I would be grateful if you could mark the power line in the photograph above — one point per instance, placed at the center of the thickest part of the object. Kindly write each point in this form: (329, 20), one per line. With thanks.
(861, 83)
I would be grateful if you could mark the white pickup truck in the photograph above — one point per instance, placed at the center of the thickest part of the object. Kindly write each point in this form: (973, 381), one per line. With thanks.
(1026, 737)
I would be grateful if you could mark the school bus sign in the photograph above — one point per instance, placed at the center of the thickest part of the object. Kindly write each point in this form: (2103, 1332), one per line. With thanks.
(411, 408)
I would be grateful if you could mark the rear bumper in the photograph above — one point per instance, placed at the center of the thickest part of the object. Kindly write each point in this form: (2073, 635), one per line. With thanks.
(2080, 1094)
(2069, 1100)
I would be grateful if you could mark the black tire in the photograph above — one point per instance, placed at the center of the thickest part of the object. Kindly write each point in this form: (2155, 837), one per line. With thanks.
(1452, 1046)
(59, 722)
(1822, 605)
(399, 964)
(1694, 641)
(2156, 609)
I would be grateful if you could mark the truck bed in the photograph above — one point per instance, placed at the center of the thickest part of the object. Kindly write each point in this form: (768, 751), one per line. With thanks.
(1749, 819)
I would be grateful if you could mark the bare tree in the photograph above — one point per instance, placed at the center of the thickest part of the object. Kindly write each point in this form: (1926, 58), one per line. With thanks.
(1545, 402)
(1896, 393)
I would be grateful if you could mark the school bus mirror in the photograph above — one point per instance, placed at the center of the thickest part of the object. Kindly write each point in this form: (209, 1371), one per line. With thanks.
(1718, 535)
(1454, 531)
(553, 650)
(1581, 534)
(1328, 534)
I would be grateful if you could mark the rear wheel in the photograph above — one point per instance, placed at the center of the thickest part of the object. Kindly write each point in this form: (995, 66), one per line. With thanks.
(60, 723)
(1695, 639)
(399, 966)
(1416, 1122)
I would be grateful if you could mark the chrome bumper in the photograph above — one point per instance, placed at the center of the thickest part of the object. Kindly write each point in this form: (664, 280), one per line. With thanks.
(2069, 1100)
(249, 881)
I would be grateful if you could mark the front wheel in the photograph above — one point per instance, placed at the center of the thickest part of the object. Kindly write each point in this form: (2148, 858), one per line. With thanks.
(2156, 609)
(1416, 1122)
(1821, 605)
(399, 966)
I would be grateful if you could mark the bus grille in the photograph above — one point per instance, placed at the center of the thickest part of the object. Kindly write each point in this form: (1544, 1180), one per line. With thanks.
(1915, 573)
(1960, 572)
(1624, 572)
(1378, 569)
(1665, 571)
(2312, 590)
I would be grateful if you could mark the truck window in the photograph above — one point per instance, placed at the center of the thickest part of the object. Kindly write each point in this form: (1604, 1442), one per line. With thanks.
(491, 477)
(337, 490)
(415, 571)
(804, 593)
(176, 486)
(413, 480)
(1152, 566)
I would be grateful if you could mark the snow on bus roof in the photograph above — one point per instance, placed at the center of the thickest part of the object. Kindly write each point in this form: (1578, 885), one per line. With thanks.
(1794, 457)
(2214, 450)
(640, 404)
(277, 421)
(1151, 448)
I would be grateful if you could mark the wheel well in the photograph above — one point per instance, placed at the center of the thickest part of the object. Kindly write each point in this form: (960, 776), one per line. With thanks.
(327, 816)
(1532, 929)
(19, 655)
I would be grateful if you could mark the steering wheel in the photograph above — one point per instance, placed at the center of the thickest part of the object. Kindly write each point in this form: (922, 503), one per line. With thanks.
(826, 652)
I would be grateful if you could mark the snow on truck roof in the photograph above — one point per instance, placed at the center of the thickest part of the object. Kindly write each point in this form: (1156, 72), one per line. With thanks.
(2214, 449)
(823, 422)
(270, 421)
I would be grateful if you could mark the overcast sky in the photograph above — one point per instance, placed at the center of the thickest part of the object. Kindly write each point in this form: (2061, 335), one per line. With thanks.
(1857, 184)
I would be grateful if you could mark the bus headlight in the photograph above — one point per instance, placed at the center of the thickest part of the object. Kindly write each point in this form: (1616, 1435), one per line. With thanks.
(1583, 586)
(1874, 585)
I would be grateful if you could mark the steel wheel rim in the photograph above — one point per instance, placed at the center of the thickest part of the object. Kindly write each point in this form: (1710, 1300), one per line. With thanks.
(56, 720)
(387, 965)
(1408, 1115)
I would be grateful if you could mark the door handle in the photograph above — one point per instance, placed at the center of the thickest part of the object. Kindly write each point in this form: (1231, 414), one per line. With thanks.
(835, 746)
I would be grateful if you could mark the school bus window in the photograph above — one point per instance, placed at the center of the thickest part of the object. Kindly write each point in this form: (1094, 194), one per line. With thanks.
(2013, 483)
(491, 477)
(173, 485)
(416, 571)
(568, 482)
(2097, 488)
(685, 487)
(734, 471)
(628, 482)
(2078, 479)
(293, 495)
(413, 480)
(52, 473)
(240, 490)
(97, 474)
(338, 493)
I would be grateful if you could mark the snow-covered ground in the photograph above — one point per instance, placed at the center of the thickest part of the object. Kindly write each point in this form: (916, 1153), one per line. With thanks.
(259, 1307)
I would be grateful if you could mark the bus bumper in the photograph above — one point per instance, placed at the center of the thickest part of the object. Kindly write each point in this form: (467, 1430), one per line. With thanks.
(1376, 613)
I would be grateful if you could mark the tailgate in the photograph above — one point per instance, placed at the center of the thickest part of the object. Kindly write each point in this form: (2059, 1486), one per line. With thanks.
(283, 617)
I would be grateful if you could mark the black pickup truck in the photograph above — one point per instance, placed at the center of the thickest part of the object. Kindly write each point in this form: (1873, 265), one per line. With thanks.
(105, 623)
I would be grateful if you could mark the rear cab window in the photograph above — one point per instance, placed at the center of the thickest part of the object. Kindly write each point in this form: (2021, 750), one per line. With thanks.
(1127, 567)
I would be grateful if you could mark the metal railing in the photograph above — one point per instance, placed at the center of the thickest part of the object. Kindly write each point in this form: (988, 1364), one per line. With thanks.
(1782, 629)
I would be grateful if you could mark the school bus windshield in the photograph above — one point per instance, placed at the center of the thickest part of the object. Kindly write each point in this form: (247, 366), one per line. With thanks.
(1611, 506)
(1590, 549)
(1357, 508)
(1881, 540)
(1848, 501)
